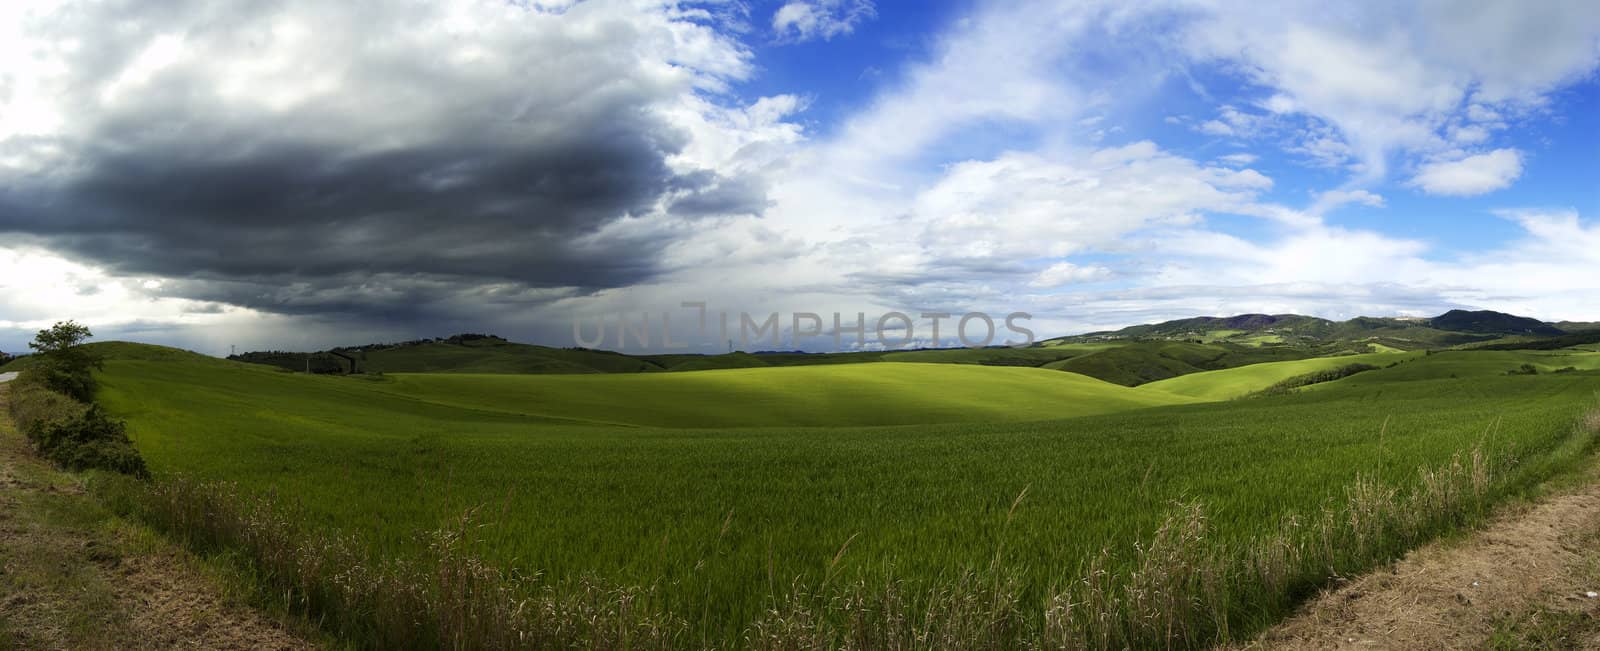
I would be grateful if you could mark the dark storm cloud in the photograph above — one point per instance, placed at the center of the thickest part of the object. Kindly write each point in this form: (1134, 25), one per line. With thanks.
(415, 181)
(472, 210)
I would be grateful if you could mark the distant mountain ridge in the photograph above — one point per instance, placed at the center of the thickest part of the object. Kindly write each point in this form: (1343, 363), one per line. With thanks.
(1452, 328)
(1491, 322)
(1130, 356)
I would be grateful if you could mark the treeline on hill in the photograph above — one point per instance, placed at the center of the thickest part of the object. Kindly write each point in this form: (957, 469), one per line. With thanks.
(1286, 386)
(481, 353)
(1551, 343)
(52, 403)
(1453, 328)
(1140, 362)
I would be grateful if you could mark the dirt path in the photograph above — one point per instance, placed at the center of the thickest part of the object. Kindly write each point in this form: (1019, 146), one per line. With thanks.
(72, 576)
(1527, 580)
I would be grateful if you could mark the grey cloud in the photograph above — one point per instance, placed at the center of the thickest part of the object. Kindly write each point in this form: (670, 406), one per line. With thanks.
(417, 180)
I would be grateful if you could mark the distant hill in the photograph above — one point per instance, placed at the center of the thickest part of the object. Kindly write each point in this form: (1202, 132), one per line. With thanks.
(1490, 322)
(1131, 356)
(1453, 328)
(1202, 327)
(477, 353)
(1141, 362)
(1578, 326)
(468, 353)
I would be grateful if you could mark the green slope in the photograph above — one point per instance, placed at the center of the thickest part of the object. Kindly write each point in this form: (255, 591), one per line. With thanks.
(1137, 363)
(708, 514)
(1236, 382)
(886, 393)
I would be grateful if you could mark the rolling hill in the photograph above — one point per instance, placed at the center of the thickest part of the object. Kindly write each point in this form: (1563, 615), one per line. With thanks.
(702, 484)
(1136, 363)
(1230, 383)
(1456, 327)
(887, 393)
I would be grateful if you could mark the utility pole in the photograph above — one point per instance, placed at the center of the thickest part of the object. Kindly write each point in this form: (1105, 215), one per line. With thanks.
(308, 363)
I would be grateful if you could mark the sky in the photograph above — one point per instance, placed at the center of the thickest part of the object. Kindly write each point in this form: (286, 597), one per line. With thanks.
(301, 174)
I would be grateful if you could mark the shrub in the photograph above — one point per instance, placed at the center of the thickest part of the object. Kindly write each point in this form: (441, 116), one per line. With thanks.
(1525, 369)
(91, 439)
(70, 433)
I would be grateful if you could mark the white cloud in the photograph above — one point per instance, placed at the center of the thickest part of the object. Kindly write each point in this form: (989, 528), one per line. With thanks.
(1067, 273)
(1389, 77)
(1023, 205)
(38, 287)
(1473, 175)
(1238, 159)
(1327, 201)
(806, 20)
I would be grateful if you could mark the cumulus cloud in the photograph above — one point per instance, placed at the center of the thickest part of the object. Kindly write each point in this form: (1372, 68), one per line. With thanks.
(1326, 201)
(1473, 175)
(1394, 88)
(806, 20)
(1023, 205)
(1066, 273)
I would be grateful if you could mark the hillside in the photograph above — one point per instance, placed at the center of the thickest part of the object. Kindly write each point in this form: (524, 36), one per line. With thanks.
(888, 393)
(1453, 328)
(1136, 363)
(1131, 356)
(1236, 382)
(709, 465)
(1490, 322)
(491, 354)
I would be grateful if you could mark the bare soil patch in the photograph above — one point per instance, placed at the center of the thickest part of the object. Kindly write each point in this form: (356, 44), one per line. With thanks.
(1530, 562)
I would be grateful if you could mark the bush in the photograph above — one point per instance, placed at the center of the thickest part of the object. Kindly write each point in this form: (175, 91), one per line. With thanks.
(73, 381)
(70, 433)
(1525, 369)
(92, 439)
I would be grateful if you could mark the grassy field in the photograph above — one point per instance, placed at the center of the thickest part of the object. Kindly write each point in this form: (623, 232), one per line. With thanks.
(1231, 383)
(1138, 363)
(729, 504)
(882, 393)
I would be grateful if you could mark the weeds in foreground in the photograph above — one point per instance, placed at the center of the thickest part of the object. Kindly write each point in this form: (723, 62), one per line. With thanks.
(1180, 588)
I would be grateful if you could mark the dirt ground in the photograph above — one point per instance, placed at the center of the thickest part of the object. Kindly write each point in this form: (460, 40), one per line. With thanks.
(72, 576)
(1530, 579)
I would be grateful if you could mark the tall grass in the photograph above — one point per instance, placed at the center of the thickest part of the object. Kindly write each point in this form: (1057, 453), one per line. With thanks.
(1179, 587)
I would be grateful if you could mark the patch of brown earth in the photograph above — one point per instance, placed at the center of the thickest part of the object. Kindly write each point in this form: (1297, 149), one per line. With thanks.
(1454, 594)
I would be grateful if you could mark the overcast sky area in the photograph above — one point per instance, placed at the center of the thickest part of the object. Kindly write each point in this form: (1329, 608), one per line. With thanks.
(299, 174)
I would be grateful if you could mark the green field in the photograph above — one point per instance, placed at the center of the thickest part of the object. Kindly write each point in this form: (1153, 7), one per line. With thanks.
(1231, 383)
(722, 498)
(881, 393)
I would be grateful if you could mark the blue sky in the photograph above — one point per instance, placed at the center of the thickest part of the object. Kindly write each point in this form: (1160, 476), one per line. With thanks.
(510, 167)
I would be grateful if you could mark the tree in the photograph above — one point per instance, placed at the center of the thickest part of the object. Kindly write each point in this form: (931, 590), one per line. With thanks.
(63, 362)
(59, 337)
